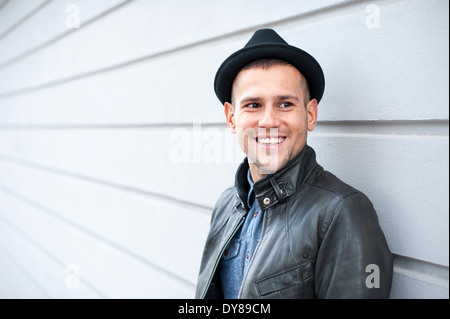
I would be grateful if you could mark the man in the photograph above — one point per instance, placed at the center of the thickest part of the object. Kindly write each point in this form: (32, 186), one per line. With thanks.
(287, 228)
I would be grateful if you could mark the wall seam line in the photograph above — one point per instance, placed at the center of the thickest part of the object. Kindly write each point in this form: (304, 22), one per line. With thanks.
(125, 126)
(422, 270)
(3, 4)
(6, 283)
(198, 208)
(88, 232)
(23, 270)
(23, 19)
(59, 37)
(44, 251)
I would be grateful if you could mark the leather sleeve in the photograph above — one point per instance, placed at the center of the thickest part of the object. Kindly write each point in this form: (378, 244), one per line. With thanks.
(354, 260)
(218, 220)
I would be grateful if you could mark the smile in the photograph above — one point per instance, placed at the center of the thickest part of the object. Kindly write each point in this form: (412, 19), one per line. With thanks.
(270, 140)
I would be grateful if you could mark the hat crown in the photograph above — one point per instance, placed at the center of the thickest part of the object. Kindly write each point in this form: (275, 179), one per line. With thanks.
(267, 44)
(265, 36)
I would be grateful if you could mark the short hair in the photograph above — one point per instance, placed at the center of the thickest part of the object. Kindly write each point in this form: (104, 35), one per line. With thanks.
(269, 62)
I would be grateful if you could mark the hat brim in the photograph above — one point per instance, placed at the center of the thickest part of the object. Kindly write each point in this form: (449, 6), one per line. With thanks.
(304, 62)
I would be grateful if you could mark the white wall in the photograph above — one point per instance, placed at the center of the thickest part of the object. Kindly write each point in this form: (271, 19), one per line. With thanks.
(94, 122)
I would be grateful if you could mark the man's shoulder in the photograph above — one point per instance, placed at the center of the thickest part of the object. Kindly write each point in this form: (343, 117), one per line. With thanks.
(345, 205)
(226, 199)
(329, 182)
(227, 196)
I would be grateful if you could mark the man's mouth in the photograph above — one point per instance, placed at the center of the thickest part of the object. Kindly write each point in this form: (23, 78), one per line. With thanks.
(270, 140)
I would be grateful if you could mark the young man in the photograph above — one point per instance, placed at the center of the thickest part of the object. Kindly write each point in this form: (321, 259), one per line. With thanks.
(287, 228)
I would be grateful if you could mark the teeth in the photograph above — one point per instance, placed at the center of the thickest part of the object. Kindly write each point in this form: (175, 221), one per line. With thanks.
(271, 140)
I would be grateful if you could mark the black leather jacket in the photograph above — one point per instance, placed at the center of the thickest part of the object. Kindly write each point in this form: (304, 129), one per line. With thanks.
(320, 239)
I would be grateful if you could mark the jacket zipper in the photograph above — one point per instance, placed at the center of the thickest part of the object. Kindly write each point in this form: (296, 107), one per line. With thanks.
(253, 256)
(221, 252)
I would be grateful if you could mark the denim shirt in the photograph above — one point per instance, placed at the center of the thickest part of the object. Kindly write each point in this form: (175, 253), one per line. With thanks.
(238, 254)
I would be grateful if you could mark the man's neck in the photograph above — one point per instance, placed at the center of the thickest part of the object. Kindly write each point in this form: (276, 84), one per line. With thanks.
(256, 172)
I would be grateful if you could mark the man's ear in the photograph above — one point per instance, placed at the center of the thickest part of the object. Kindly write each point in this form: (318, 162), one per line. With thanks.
(229, 116)
(311, 109)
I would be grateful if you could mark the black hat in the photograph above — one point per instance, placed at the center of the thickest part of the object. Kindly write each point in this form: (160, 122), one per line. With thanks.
(266, 43)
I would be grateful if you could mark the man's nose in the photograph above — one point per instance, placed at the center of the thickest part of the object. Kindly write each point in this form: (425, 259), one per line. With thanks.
(268, 118)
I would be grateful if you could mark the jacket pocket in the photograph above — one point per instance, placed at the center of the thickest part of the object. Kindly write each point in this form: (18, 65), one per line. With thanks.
(232, 250)
(284, 279)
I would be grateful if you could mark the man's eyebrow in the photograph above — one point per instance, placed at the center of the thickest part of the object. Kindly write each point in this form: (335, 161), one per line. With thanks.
(287, 97)
(278, 98)
(251, 99)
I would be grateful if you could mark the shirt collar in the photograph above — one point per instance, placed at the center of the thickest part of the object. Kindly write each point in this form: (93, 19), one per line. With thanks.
(251, 193)
(275, 188)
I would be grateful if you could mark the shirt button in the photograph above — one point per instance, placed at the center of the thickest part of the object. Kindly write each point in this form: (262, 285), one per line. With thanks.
(305, 255)
(246, 256)
(266, 201)
(256, 214)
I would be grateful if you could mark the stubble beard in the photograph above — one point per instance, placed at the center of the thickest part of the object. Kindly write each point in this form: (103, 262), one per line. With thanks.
(269, 162)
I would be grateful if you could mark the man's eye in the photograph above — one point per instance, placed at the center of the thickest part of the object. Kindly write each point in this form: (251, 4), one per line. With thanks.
(252, 105)
(285, 104)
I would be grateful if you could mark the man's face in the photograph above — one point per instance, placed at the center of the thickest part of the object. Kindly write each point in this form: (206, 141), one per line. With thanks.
(269, 116)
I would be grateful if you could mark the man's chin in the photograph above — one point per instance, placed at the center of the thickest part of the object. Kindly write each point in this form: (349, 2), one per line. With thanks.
(266, 167)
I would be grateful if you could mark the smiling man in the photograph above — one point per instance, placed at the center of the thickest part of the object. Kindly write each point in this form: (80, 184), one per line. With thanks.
(287, 228)
(272, 114)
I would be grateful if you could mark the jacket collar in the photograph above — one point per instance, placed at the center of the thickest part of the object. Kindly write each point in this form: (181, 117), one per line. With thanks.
(276, 188)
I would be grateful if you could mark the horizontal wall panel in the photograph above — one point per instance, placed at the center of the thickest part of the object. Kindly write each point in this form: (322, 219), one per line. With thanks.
(14, 281)
(6, 292)
(430, 280)
(146, 27)
(111, 271)
(13, 13)
(39, 28)
(161, 232)
(178, 86)
(166, 161)
(50, 278)
(407, 194)
(165, 89)
(378, 73)
(3, 3)
(406, 178)
(405, 287)
(51, 22)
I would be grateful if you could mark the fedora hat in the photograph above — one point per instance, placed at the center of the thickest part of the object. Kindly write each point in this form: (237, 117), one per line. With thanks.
(266, 43)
